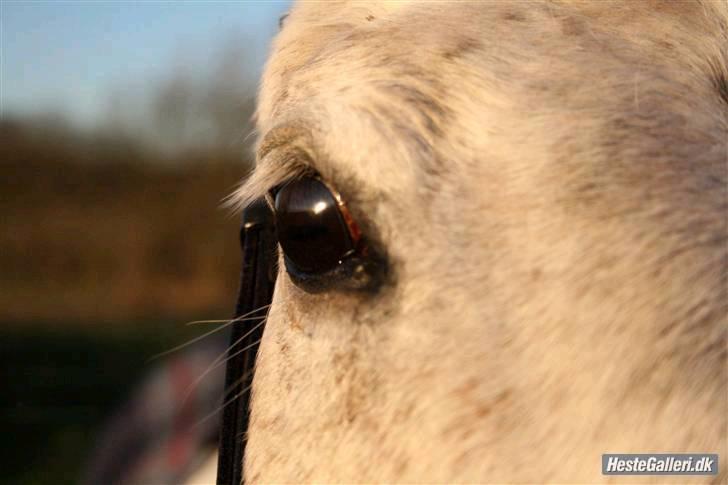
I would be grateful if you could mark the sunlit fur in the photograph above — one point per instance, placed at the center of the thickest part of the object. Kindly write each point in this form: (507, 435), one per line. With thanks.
(548, 181)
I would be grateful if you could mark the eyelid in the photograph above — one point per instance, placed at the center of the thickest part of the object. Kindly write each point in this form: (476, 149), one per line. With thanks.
(292, 135)
(354, 230)
(288, 148)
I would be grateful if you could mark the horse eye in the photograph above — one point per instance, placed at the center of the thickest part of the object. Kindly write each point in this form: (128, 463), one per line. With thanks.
(314, 228)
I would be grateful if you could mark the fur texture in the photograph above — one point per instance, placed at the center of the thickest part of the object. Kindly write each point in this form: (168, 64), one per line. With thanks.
(548, 180)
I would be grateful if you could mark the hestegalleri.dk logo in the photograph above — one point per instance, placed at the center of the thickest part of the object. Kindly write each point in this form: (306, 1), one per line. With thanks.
(660, 464)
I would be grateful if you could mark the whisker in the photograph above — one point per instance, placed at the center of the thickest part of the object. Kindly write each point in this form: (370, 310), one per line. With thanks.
(238, 352)
(235, 384)
(218, 364)
(198, 322)
(223, 406)
(194, 322)
(229, 401)
(219, 360)
(186, 344)
(207, 334)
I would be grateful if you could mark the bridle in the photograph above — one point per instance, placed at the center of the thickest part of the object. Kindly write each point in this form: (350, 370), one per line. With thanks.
(322, 245)
(257, 280)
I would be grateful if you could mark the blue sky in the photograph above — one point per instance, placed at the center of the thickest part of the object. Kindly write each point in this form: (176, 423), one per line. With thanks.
(69, 56)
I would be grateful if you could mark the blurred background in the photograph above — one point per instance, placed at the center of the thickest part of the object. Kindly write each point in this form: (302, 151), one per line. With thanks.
(122, 127)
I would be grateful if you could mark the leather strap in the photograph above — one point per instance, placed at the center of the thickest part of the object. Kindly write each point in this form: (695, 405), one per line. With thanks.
(257, 280)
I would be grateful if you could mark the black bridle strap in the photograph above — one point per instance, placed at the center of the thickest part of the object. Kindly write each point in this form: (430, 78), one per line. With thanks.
(257, 279)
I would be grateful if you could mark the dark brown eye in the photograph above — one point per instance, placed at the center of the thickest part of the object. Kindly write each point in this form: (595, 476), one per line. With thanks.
(314, 227)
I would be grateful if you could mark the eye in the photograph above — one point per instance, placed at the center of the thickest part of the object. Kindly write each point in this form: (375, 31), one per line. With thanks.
(315, 230)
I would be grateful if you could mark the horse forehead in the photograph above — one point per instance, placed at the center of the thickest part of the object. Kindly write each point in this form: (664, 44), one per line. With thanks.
(348, 52)
(352, 72)
(369, 39)
(356, 67)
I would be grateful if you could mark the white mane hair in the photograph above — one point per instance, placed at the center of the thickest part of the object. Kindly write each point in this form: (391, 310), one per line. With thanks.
(548, 182)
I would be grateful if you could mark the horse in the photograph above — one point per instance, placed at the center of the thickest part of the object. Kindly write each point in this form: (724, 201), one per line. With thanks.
(528, 235)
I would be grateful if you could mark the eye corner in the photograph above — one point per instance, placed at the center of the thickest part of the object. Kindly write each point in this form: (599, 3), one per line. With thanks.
(362, 274)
